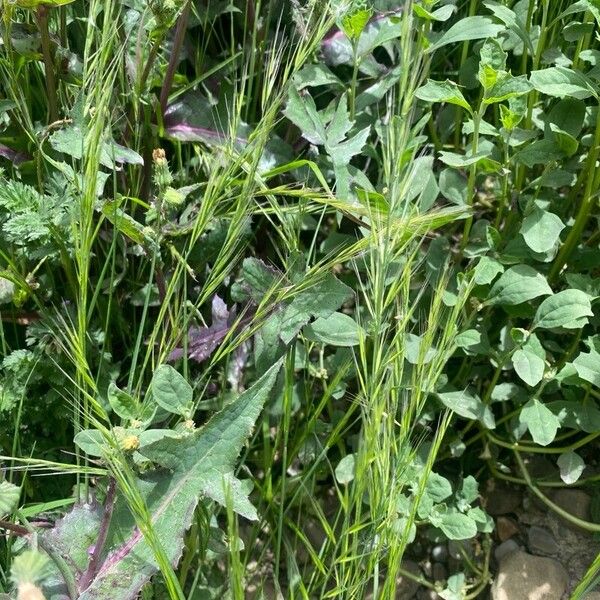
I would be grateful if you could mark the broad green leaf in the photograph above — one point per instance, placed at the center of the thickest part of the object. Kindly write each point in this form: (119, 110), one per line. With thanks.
(414, 350)
(486, 270)
(171, 391)
(9, 497)
(344, 472)
(469, 492)
(561, 82)
(457, 526)
(469, 28)
(539, 152)
(512, 21)
(30, 566)
(453, 186)
(565, 141)
(568, 309)
(468, 406)
(541, 230)
(507, 87)
(200, 464)
(440, 14)
(122, 403)
(518, 284)
(37, 3)
(336, 330)
(529, 361)
(438, 488)
(571, 467)
(91, 442)
(453, 159)
(541, 422)
(442, 91)
(587, 365)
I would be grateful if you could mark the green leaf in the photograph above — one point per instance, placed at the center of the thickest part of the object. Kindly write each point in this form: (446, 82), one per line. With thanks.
(518, 284)
(561, 81)
(507, 87)
(91, 442)
(302, 111)
(587, 365)
(31, 566)
(438, 488)
(354, 23)
(344, 472)
(541, 230)
(336, 330)
(571, 467)
(200, 464)
(122, 403)
(486, 270)
(541, 422)
(567, 309)
(9, 497)
(469, 28)
(441, 14)
(443, 91)
(457, 526)
(529, 361)
(453, 186)
(171, 391)
(469, 406)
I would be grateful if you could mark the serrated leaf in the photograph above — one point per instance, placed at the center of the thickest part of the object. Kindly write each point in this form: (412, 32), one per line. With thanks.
(568, 309)
(443, 91)
(196, 465)
(9, 497)
(171, 391)
(518, 284)
(468, 28)
(541, 230)
(571, 467)
(541, 422)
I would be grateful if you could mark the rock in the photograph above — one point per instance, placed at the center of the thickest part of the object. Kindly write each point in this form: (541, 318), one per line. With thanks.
(505, 548)
(522, 576)
(439, 552)
(439, 572)
(541, 541)
(501, 499)
(575, 502)
(506, 528)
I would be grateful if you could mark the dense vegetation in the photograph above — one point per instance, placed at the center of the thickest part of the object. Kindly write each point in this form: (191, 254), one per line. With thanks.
(285, 285)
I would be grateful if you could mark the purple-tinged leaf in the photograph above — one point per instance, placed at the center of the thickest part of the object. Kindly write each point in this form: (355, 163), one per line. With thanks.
(16, 157)
(203, 341)
(191, 467)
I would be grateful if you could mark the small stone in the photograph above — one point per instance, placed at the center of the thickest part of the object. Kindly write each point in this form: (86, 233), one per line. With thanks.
(439, 572)
(541, 541)
(501, 499)
(506, 528)
(439, 552)
(505, 548)
(522, 575)
(576, 503)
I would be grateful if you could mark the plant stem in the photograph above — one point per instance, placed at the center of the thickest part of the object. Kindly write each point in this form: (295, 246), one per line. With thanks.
(477, 117)
(41, 17)
(354, 80)
(589, 197)
(94, 564)
(182, 22)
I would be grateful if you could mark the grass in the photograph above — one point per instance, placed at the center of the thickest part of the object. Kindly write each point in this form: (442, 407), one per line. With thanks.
(198, 170)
